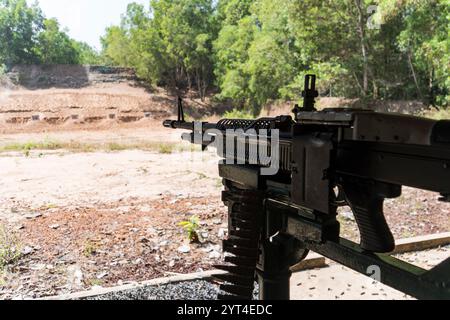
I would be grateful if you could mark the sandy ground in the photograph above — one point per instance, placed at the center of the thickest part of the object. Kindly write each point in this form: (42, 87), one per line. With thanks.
(64, 180)
(106, 218)
(339, 283)
(147, 131)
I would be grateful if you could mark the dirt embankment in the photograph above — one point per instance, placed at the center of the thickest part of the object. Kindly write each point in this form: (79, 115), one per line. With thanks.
(47, 96)
(68, 97)
(35, 77)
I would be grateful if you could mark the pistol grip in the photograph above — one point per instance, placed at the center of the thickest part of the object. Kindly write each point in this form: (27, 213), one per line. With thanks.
(366, 200)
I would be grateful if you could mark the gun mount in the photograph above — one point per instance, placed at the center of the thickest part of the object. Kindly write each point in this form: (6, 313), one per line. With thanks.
(318, 162)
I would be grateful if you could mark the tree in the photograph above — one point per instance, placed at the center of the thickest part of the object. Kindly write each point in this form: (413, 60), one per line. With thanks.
(230, 12)
(28, 38)
(55, 46)
(256, 51)
(19, 28)
(116, 46)
(253, 52)
(425, 43)
(231, 55)
(170, 45)
(136, 44)
(87, 55)
(186, 29)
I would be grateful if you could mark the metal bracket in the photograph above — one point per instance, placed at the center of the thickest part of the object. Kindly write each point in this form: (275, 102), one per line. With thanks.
(400, 275)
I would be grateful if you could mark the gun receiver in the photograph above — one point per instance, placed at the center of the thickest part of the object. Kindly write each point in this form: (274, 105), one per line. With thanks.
(322, 160)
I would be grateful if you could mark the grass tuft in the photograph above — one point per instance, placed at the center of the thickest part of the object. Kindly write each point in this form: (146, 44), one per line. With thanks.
(10, 247)
(239, 114)
(165, 148)
(74, 146)
(442, 114)
(90, 248)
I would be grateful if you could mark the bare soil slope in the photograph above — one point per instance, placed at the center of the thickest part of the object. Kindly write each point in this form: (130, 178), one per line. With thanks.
(55, 98)
(23, 110)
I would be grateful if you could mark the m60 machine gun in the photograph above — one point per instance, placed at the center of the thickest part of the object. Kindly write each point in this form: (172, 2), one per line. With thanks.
(285, 178)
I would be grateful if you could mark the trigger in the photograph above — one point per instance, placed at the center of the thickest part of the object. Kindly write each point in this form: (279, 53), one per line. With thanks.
(340, 199)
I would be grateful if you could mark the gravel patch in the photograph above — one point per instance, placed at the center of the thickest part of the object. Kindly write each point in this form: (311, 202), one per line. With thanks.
(333, 283)
(198, 290)
(194, 290)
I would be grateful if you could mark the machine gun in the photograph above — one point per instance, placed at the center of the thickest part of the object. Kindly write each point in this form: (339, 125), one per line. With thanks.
(286, 177)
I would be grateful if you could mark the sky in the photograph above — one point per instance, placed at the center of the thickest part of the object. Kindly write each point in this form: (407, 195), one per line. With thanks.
(86, 20)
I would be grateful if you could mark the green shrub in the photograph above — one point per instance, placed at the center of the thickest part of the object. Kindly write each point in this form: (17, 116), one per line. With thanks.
(191, 227)
(239, 114)
(442, 114)
(10, 247)
(165, 148)
(90, 248)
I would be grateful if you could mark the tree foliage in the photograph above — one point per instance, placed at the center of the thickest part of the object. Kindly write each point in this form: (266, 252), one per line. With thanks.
(28, 38)
(86, 54)
(252, 51)
(55, 46)
(395, 50)
(169, 45)
(255, 51)
(19, 26)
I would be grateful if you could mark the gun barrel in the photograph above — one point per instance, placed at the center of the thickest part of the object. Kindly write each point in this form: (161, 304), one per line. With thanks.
(188, 125)
(171, 124)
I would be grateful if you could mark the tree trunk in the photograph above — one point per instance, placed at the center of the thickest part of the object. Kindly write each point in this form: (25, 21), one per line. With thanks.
(432, 94)
(413, 71)
(362, 35)
(174, 80)
(204, 84)
(375, 89)
(205, 87)
(357, 81)
(188, 75)
(199, 84)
